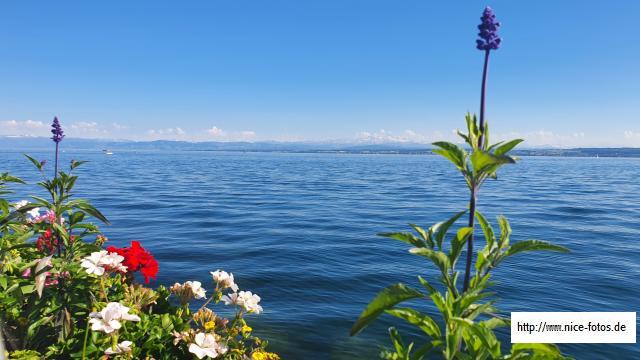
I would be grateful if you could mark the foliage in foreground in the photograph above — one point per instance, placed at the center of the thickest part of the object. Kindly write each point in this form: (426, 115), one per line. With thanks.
(468, 318)
(65, 296)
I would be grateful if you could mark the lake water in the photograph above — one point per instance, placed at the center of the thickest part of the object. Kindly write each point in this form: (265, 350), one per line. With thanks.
(299, 229)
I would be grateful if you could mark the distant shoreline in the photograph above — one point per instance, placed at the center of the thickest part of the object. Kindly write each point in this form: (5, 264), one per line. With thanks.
(35, 143)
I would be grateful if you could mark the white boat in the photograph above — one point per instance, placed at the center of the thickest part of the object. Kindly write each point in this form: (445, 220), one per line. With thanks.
(107, 152)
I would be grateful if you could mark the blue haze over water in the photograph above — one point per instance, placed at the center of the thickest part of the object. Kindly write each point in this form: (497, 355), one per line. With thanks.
(299, 230)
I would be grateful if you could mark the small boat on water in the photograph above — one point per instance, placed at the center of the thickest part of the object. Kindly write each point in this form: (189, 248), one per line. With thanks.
(107, 152)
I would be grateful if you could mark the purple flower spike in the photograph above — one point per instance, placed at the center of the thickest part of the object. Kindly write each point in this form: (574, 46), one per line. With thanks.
(489, 39)
(56, 130)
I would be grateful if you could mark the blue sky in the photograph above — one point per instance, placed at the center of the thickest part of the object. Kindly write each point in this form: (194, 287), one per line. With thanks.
(567, 74)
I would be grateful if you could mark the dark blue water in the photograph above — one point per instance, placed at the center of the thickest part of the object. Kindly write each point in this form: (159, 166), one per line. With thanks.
(299, 229)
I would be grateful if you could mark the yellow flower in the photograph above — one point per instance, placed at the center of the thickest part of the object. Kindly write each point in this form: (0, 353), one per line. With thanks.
(263, 355)
(209, 325)
(246, 329)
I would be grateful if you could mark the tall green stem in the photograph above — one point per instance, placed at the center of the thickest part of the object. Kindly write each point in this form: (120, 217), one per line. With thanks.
(474, 187)
(84, 344)
(472, 212)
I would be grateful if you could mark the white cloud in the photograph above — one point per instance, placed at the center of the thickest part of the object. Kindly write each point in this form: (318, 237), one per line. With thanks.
(119, 126)
(216, 133)
(175, 133)
(407, 136)
(27, 124)
(546, 138)
(25, 127)
(87, 129)
(537, 138)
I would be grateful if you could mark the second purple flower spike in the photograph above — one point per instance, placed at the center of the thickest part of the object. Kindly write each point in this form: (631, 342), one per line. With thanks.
(489, 39)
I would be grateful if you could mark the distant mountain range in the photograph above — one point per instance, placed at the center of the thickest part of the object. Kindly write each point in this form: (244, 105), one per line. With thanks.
(41, 143)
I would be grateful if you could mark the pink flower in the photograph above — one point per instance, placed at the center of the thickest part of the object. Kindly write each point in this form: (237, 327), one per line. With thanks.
(49, 216)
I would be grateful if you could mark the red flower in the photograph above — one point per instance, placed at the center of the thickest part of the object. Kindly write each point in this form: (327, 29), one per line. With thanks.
(47, 242)
(136, 258)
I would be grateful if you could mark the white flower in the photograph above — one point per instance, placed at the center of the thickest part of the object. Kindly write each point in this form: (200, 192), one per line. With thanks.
(246, 299)
(206, 345)
(196, 288)
(34, 213)
(20, 204)
(97, 261)
(231, 299)
(108, 319)
(189, 290)
(123, 347)
(114, 262)
(250, 302)
(224, 279)
(93, 263)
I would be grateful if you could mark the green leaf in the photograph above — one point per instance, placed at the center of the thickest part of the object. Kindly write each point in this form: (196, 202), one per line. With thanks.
(31, 330)
(439, 258)
(441, 229)
(506, 147)
(425, 236)
(550, 350)
(485, 134)
(488, 339)
(386, 299)
(396, 340)
(464, 137)
(76, 217)
(423, 321)
(27, 289)
(5, 177)
(89, 209)
(422, 351)
(427, 286)
(482, 160)
(494, 323)
(405, 237)
(489, 235)
(453, 153)
(75, 164)
(505, 232)
(35, 162)
(472, 128)
(458, 243)
(481, 260)
(534, 245)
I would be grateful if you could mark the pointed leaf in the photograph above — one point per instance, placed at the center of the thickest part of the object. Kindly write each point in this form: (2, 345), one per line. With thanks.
(423, 321)
(386, 299)
(482, 160)
(458, 243)
(441, 229)
(506, 147)
(425, 236)
(534, 245)
(453, 153)
(439, 258)
(405, 237)
(489, 235)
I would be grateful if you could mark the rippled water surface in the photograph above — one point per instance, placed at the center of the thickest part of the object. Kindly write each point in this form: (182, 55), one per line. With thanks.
(299, 229)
